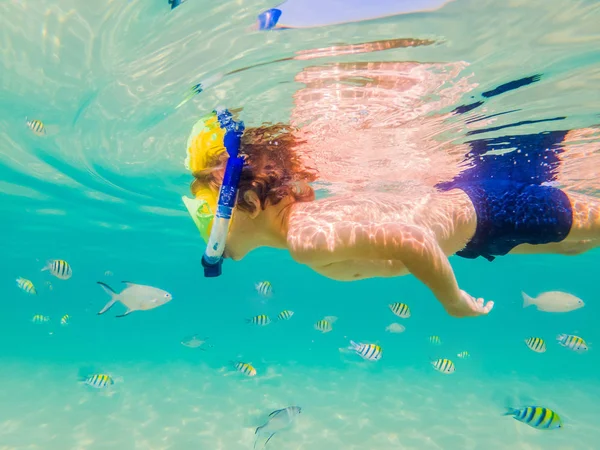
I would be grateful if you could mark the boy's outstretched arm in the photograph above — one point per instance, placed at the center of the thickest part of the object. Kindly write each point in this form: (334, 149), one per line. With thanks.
(415, 247)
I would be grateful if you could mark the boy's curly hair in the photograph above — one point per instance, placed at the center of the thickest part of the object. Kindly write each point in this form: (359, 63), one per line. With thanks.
(273, 170)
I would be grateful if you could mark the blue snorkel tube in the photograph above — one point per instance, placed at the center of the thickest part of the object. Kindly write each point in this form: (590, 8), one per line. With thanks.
(212, 260)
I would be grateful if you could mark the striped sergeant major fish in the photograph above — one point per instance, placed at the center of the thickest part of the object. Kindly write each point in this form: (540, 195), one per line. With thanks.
(536, 416)
(324, 326)
(464, 355)
(370, 352)
(400, 309)
(37, 126)
(443, 365)
(435, 340)
(264, 288)
(572, 342)
(40, 318)
(278, 420)
(536, 344)
(59, 268)
(285, 315)
(98, 380)
(244, 368)
(26, 286)
(260, 320)
(64, 320)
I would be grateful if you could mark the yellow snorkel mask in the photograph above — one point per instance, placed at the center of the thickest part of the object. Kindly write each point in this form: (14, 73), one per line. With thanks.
(212, 135)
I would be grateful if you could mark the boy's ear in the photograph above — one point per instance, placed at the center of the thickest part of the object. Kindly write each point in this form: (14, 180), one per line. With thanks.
(252, 199)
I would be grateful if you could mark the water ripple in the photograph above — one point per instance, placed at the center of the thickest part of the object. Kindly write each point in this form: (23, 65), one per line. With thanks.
(106, 78)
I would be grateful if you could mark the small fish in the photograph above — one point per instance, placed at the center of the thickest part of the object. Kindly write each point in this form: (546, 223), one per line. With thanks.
(245, 368)
(400, 309)
(49, 285)
(435, 340)
(324, 326)
(285, 315)
(196, 89)
(108, 273)
(195, 342)
(37, 126)
(26, 286)
(267, 20)
(443, 365)
(59, 268)
(575, 343)
(536, 344)
(278, 420)
(395, 328)
(464, 355)
(64, 320)
(98, 381)
(264, 288)
(136, 297)
(175, 3)
(555, 302)
(260, 320)
(536, 417)
(39, 318)
(190, 94)
(370, 352)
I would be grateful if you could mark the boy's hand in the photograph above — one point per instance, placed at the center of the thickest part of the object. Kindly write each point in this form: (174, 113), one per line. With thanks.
(469, 306)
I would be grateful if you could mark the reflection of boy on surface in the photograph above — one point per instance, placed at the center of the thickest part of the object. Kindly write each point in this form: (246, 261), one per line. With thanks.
(499, 206)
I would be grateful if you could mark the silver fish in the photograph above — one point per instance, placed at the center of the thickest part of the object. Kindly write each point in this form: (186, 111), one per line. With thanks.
(278, 420)
(136, 297)
(195, 342)
(555, 301)
(395, 328)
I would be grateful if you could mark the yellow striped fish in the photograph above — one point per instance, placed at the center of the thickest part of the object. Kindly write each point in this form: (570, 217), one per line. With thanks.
(443, 365)
(285, 315)
(536, 416)
(324, 326)
(400, 309)
(573, 342)
(435, 340)
(64, 320)
(39, 318)
(370, 352)
(260, 320)
(264, 288)
(59, 268)
(245, 368)
(26, 286)
(536, 344)
(464, 355)
(98, 380)
(37, 126)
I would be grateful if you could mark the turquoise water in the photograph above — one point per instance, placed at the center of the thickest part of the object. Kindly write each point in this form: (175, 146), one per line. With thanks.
(102, 190)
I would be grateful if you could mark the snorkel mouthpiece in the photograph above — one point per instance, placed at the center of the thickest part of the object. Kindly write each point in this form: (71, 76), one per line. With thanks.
(212, 260)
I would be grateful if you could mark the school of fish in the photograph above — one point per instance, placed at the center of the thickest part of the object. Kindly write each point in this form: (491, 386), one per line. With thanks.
(137, 297)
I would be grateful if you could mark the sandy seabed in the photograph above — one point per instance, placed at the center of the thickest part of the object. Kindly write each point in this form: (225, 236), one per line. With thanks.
(179, 407)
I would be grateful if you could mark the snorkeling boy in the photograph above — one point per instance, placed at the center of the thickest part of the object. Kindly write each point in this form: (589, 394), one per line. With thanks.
(352, 237)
